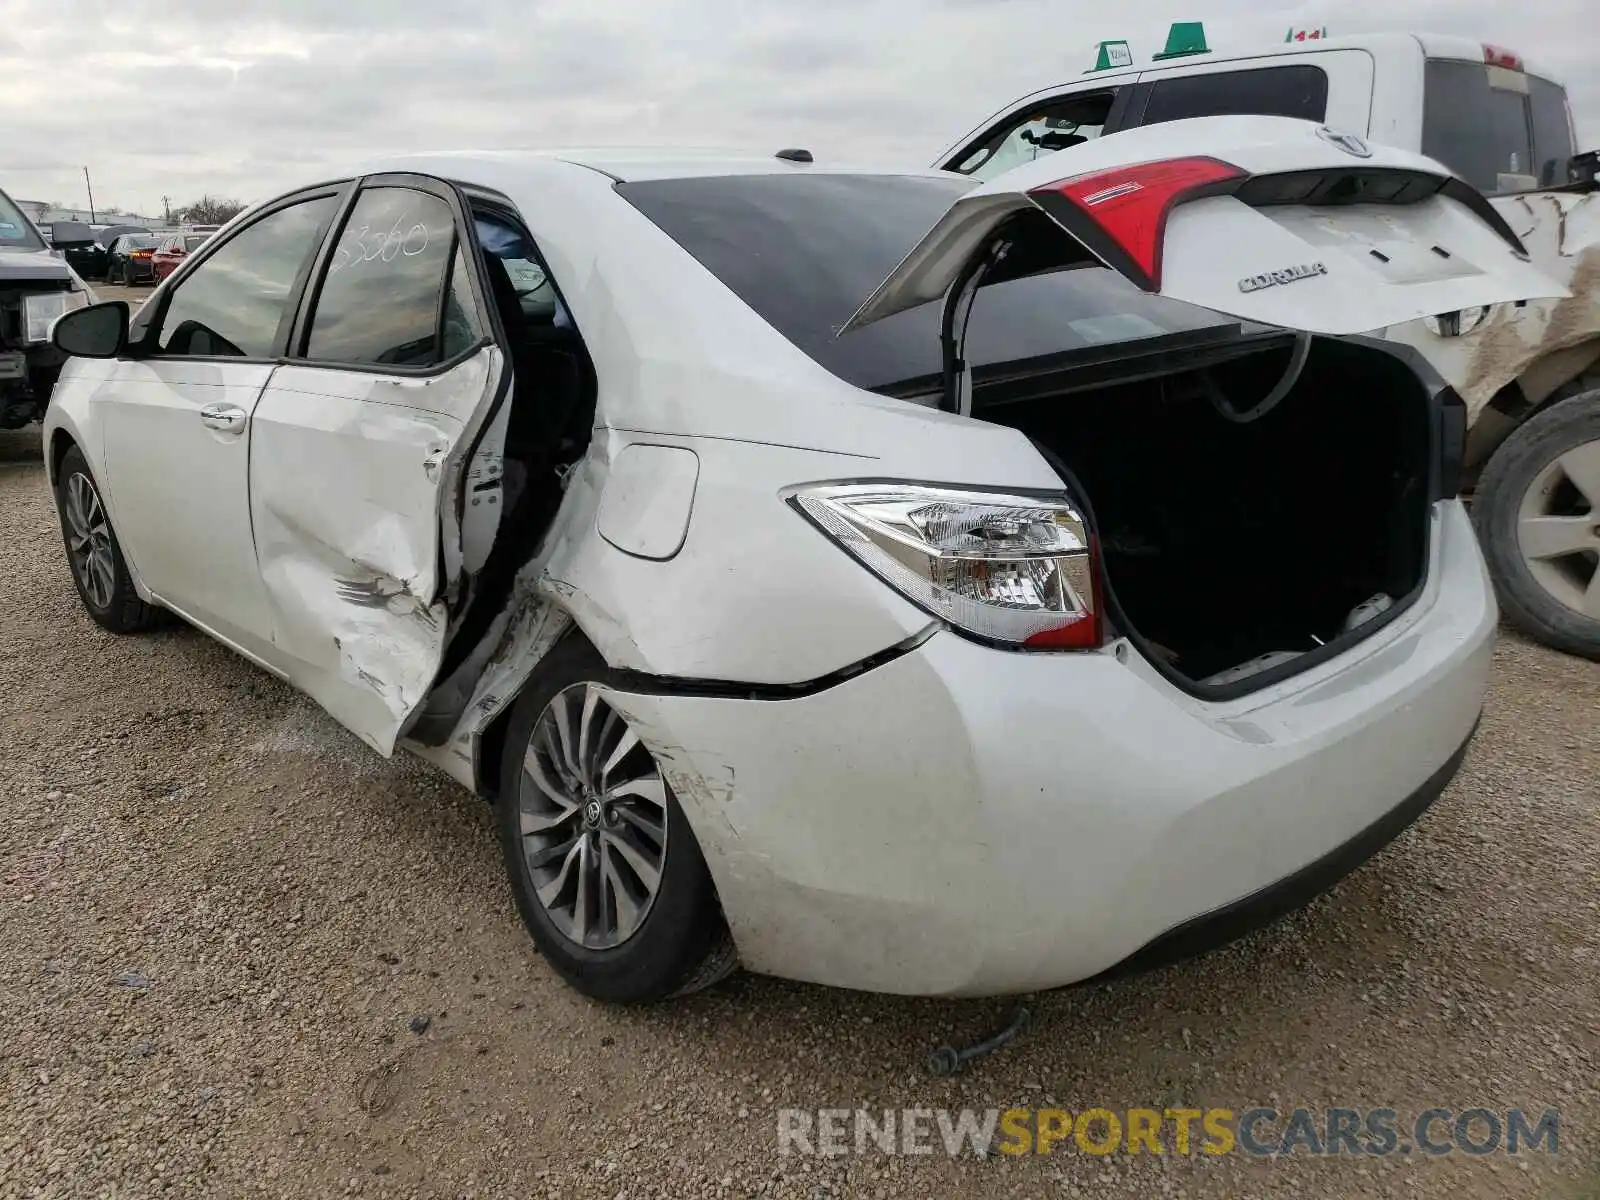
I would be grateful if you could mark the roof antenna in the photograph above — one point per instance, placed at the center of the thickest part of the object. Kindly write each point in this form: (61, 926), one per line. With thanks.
(799, 156)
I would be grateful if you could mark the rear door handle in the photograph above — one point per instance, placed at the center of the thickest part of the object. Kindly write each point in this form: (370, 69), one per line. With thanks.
(224, 418)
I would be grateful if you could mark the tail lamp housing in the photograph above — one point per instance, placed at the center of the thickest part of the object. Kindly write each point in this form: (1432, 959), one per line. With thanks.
(1121, 214)
(1012, 570)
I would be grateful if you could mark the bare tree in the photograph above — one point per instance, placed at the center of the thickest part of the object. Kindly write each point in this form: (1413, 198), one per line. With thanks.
(208, 210)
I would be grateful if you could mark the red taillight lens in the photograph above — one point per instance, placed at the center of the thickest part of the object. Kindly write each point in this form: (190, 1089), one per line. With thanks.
(1498, 56)
(1085, 631)
(1121, 214)
(1083, 634)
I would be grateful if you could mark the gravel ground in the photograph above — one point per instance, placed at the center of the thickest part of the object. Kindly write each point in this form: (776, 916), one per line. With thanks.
(223, 916)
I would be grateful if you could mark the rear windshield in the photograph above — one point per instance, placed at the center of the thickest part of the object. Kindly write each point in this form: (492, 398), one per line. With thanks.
(139, 241)
(1299, 90)
(191, 244)
(805, 251)
(1497, 129)
(16, 230)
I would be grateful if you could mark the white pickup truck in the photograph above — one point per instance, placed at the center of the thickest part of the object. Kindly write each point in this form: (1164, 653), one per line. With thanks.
(1529, 373)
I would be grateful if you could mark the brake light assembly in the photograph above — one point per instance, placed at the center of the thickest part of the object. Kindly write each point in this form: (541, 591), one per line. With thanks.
(1121, 214)
(1015, 571)
(1499, 56)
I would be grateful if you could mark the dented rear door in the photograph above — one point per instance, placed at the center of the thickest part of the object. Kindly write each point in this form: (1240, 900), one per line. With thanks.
(362, 454)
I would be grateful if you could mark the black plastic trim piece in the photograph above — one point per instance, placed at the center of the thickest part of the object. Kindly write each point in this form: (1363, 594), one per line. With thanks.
(1259, 909)
(643, 683)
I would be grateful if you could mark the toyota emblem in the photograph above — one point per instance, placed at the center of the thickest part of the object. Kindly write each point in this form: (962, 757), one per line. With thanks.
(1348, 142)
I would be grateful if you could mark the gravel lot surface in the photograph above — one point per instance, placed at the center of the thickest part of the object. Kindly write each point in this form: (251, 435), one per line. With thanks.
(223, 916)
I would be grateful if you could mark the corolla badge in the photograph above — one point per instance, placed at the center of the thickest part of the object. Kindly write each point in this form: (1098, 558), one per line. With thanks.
(1286, 275)
(1348, 142)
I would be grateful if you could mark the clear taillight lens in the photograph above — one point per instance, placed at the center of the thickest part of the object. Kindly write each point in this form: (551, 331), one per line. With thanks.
(1012, 569)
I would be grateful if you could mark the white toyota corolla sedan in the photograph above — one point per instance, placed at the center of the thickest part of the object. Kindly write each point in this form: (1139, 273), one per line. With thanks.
(842, 572)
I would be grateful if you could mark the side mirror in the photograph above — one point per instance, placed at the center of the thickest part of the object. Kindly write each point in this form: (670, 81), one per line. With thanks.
(98, 331)
(71, 233)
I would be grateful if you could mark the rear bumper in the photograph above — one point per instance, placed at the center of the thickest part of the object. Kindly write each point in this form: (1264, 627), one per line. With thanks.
(969, 821)
(1245, 916)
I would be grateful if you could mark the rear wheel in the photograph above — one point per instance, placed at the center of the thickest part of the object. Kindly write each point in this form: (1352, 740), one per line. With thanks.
(98, 569)
(1537, 511)
(606, 872)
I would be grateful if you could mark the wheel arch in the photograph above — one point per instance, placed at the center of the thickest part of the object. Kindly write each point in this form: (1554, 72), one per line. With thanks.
(1550, 379)
(61, 440)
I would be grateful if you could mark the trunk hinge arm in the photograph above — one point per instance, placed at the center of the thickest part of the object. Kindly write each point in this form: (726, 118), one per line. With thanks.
(957, 372)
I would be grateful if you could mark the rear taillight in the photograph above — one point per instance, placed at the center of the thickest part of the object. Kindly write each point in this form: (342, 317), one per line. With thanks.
(1498, 56)
(1121, 214)
(1014, 570)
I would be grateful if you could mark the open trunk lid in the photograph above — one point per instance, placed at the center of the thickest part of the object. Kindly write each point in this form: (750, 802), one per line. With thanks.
(1272, 220)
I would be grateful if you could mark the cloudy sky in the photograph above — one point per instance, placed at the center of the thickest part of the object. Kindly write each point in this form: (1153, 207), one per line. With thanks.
(249, 97)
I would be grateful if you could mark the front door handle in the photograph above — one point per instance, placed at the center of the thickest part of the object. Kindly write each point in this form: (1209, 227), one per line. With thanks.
(224, 418)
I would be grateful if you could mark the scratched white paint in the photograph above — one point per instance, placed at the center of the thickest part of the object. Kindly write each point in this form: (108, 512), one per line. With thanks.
(1562, 233)
(884, 831)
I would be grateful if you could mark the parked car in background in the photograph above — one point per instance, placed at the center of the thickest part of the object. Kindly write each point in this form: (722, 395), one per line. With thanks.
(130, 258)
(174, 248)
(37, 285)
(973, 617)
(97, 259)
(1529, 374)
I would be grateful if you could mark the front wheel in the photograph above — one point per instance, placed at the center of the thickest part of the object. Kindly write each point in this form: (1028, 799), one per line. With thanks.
(606, 872)
(98, 568)
(1537, 511)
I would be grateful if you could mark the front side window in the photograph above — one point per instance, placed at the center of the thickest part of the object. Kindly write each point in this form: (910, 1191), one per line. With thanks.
(1043, 129)
(234, 302)
(381, 302)
(1300, 90)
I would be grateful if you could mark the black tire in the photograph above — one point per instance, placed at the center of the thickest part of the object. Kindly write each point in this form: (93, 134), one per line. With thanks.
(1512, 470)
(119, 607)
(682, 944)
(111, 273)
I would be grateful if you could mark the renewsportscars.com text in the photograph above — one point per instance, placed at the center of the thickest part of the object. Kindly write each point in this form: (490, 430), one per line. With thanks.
(1258, 1132)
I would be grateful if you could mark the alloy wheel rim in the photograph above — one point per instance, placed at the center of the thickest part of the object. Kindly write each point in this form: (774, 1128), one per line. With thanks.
(1558, 529)
(592, 812)
(89, 540)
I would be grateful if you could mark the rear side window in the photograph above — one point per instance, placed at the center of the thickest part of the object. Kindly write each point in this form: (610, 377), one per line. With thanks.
(1552, 130)
(381, 301)
(1299, 90)
(1499, 130)
(1043, 129)
(805, 251)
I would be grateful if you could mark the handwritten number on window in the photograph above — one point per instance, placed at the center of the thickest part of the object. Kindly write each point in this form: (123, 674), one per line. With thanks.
(361, 245)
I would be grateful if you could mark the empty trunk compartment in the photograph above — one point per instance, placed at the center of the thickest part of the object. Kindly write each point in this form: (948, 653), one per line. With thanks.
(1232, 549)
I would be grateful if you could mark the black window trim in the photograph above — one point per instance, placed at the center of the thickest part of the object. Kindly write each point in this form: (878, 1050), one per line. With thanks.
(150, 330)
(306, 302)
